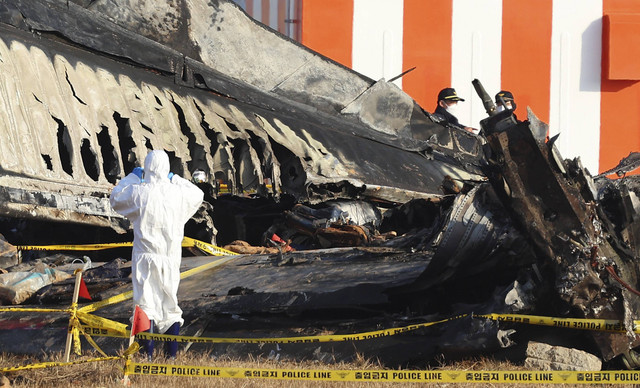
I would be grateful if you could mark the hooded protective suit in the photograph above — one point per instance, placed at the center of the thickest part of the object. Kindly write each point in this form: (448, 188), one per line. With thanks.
(158, 208)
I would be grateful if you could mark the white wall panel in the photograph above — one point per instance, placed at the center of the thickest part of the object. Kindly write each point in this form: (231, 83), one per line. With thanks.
(576, 47)
(377, 38)
(475, 53)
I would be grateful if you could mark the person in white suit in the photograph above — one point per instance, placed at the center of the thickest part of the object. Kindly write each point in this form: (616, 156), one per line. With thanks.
(158, 204)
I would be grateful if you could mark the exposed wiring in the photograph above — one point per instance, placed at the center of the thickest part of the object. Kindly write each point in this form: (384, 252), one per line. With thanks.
(622, 282)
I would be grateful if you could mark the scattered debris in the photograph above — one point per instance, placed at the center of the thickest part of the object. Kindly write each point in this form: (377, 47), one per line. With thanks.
(98, 278)
(243, 247)
(8, 254)
(17, 287)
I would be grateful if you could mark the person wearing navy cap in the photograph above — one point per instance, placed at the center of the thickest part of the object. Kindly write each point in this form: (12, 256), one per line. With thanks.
(447, 108)
(509, 102)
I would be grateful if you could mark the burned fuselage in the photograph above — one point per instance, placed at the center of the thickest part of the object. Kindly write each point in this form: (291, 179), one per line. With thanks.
(79, 112)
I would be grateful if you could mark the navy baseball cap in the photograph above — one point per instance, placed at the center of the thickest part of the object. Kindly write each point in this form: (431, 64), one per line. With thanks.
(505, 94)
(449, 94)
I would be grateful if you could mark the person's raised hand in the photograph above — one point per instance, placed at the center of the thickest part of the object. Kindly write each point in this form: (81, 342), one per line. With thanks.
(138, 171)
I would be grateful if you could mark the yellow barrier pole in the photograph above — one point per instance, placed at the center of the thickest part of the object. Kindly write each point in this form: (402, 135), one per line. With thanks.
(125, 381)
(74, 305)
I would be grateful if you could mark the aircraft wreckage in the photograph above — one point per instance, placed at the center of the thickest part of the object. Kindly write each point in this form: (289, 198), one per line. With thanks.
(395, 217)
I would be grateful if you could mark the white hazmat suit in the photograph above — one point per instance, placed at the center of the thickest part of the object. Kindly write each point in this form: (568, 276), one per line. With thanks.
(158, 208)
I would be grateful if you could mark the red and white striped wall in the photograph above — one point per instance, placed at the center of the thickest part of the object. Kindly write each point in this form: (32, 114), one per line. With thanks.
(576, 63)
(281, 15)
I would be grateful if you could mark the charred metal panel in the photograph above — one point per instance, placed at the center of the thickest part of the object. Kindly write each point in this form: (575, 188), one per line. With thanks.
(620, 202)
(552, 201)
(242, 52)
(60, 207)
(222, 36)
(476, 239)
(86, 28)
(78, 119)
(382, 106)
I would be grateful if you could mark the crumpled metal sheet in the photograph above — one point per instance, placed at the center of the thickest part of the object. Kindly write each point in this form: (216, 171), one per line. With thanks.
(476, 247)
(552, 201)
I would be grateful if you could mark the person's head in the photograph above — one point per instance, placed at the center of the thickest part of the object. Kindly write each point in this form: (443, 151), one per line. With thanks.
(507, 97)
(156, 165)
(448, 99)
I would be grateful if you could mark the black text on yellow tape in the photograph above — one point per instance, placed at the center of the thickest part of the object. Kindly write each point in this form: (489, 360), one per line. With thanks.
(102, 323)
(113, 331)
(77, 247)
(608, 325)
(414, 376)
(300, 339)
(105, 332)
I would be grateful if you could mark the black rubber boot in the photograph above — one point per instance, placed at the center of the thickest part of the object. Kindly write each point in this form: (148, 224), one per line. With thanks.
(172, 346)
(148, 345)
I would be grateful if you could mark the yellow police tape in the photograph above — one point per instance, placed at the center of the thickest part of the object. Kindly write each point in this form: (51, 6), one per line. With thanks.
(186, 242)
(410, 376)
(78, 247)
(608, 325)
(269, 340)
(32, 309)
(204, 267)
(102, 323)
(41, 365)
(74, 327)
(129, 294)
(203, 246)
(104, 326)
(106, 302)
(98, 324)
(574, 323)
